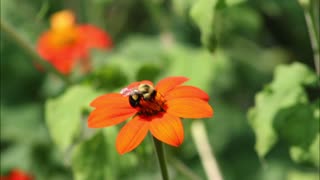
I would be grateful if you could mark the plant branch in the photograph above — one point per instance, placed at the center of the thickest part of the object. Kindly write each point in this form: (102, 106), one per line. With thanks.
(161, 157)
(14, 36)
(182, 168)
(208, 160)
(313, 31)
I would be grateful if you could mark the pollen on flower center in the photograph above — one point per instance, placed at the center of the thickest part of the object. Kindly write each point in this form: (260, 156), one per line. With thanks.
(153, 106)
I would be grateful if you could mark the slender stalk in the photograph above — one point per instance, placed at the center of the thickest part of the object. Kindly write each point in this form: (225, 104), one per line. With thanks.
(208, 160)
(82, 11)
(161, 158)
(316, 14)
(313, 31)
(314, 43)
(183, 169)
(10, 32)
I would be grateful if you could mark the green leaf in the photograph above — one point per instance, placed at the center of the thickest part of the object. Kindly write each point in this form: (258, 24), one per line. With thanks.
(299, 175)
(108, 77)
(18, 155)
(148, 71)
(89, 159)
(203, 13)
(296, 125)
(63, 114)
(285, 90)
(17, 121)
(132, 55)
(311, 154)
(196, 64)
(96, 158)
(299, 127)
(207, 14)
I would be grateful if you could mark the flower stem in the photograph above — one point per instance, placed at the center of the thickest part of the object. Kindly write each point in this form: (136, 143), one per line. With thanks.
(161, 157)
(14, 36)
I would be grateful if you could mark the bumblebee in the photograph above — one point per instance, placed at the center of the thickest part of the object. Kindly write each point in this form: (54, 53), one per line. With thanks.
(143, 92)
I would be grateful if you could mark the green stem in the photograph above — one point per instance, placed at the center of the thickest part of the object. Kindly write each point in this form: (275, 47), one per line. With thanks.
(10, 32)
(161, 157)
(82, 11)
(208, 160)
(312, 27)
(182, 168)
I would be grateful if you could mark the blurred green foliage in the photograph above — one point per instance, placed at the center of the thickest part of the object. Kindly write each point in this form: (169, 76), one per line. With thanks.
(252, 57)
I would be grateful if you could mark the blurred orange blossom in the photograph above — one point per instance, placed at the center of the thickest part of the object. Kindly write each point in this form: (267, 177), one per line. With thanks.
(65, 44)
(17, 174)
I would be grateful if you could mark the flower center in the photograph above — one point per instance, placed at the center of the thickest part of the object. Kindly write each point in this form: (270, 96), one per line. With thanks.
(63, 29)
(148, 106)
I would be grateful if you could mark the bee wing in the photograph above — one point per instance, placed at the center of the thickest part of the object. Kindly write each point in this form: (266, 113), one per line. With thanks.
(126, 91)
(129, 91)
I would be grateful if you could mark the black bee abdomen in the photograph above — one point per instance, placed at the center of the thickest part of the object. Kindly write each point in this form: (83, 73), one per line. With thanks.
(153, 94)
(134, 100)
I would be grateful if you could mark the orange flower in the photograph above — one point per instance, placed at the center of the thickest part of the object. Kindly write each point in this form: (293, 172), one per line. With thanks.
(17, 174)
(156, 109)
(66, 42)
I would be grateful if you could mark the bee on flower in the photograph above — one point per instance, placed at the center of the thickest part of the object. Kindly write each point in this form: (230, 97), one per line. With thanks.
(157, 109)
(67, 44)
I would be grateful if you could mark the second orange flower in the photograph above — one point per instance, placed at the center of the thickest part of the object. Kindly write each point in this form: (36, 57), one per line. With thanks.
(67, 44)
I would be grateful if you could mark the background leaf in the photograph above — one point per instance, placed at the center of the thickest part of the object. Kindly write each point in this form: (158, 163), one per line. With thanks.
(96, 158)
(64, 114)
(286, 90)
(208, 15)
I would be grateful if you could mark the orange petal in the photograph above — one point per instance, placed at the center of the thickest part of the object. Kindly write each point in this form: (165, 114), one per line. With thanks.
(112, 100)
(187, 92)
(62, 58)
(62, 20)
(132, 134)
(189, 108)
(94, 37)
(169, 83)
(167, 128)
(103, 117)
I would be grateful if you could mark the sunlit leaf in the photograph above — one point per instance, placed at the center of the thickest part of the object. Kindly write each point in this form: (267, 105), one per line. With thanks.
(286, 90)
(63, 114)
(203, 13)
(196, 64)
(207, 14)
(299, 175)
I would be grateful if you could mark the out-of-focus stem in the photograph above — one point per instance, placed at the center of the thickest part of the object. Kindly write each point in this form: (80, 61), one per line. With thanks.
(208, 160)
(161, 157)
(82, 11)
(183, 169)
(314, 42)
(14, 36)
(313, 31)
